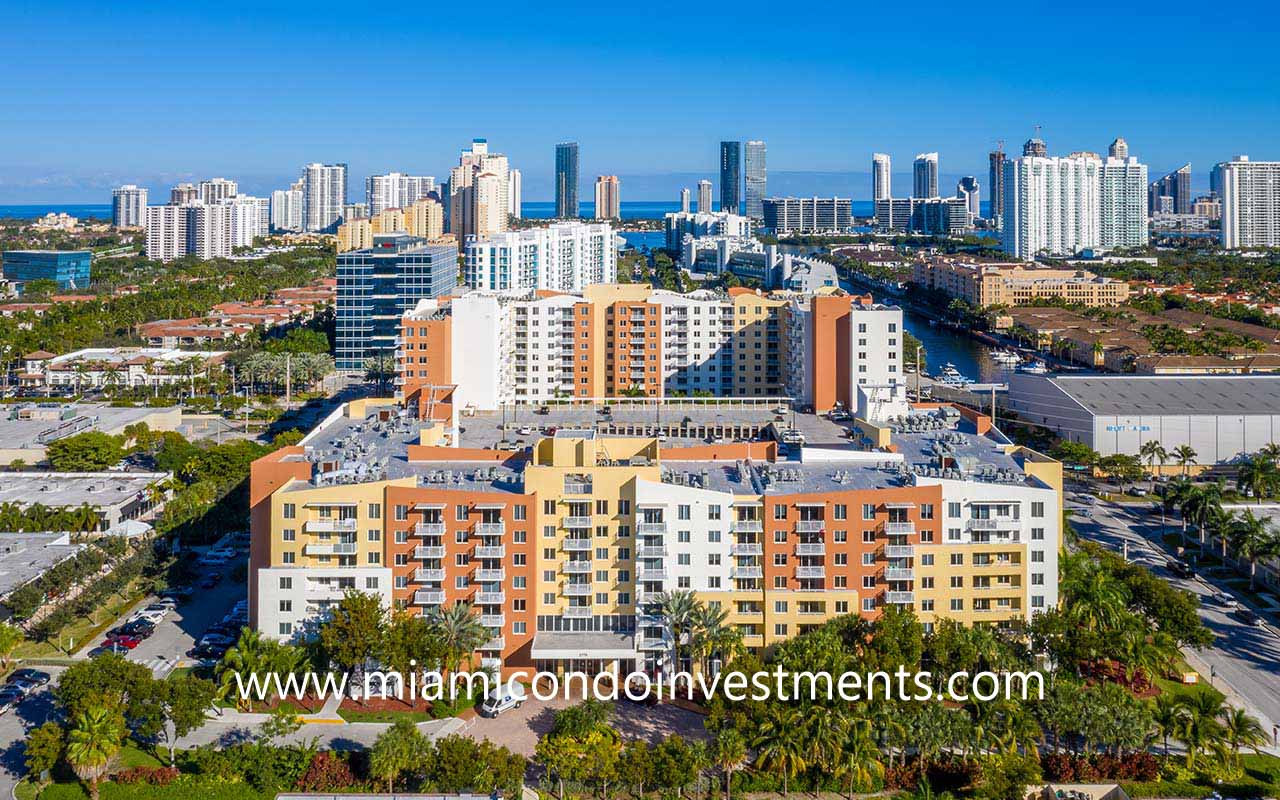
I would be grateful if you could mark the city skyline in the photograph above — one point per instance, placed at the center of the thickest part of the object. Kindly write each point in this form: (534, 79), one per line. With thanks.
(64, 144)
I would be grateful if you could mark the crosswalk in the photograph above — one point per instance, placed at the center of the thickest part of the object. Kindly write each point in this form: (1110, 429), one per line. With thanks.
(159, 666)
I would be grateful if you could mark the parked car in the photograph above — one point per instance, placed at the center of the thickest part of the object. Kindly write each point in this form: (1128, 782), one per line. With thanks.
(30, 676)
(9, 699)
(25, 687)
(168, 603)
(125, 640)
(502, 698)
(208, 651)
(109, 647)
(215, 638)
(158, 608)
(153, 617)
(139, 627)
(178, 592)
(1226, 600)
(1248, 617)
(1179, 568)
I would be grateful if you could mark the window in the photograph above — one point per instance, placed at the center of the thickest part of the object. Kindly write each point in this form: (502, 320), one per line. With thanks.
(683, 511)
(1037, 601)
(1037, 509)
(683, 559)
(602, 553)
(953, 534)
(1037, 579)
(549, 598)
(460, 537)
(520, 537)
(602, 506)
(868, 511)
(713, 536)
(869, 537)
(401, 559)
(602, 575)
(957, 604)
(957, 559)
(684, 537)
(375, 535)
(780, 629)
(926, 583)
(371, 582)
(520, 582)
(868, 604)
(288, 557)
(290, 511)
(868, 581)
(624, 507)
(926, 605)
(713, 559)
(780, 606)
(926, 537)
(286, 583)
(779, 511)
(713, 511)
(779, 582)
(548, 506)
(375, 511)
(520, 513)
(289, 535)
(375, 557)
(842, 559)
(402, 513)
(402, 537)
(286, 628)
(518, 627)
(957, 581)
(926, 560)
(840, 511)
(1037, 556)
(842, 606)
(953, 510)
(926, 511)
(683, 582)
(779, 559)
(460, 513)
(1037, 534)
(840, 537)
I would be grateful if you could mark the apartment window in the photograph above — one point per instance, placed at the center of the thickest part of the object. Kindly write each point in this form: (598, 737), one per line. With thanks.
(779, 606)
(868, 604)
(926, 605)
(683, 582)
(779, 559)
(402, 513)
(286, 583)
(868, 581)
(286, 628)
(460, 582)
(548, 530)
(957, 604)
(287, 557)
(1037, 534)
(926, 511)
(602, 575)
(684, 537)
(953, 534)
(520, 537)
(624, 553)
(780, 629)
(1037, 509)
(868, 511)
(375, 557)
(549, 554)
(840, 511)
(375, 511)
(926, 537)
(868, 559)
(868, 537)
(926, 583)
(402, 537)
(840, 537)
(290, 511)
(713, 536)
(842, 559)
(953, 510)
(1037, 579)
(374, 535)
(779, 582)
(1037, 601)
(602, 530)
(371, 582)
(779, 511)
(520, 582)
(957, 581)
(926, 560)
(548, 506)
(401, 582)
(624, 507)
(684, 512)
(713, 582)
(713, 559)
(602, 553)
(842, 606)
(520, 512)
(460, 513)
(289, 535)
(1037, 556)
(460, 537)
(549, 599)
(518, 627)
(713, 511)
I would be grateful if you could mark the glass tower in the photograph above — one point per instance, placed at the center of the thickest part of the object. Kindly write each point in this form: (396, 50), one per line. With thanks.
(567, 180)
(730, 176)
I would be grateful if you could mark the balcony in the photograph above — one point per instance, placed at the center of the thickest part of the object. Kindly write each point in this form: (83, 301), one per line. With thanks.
(423, 575)
(488, 575)
(810, 525)
(651, 643)
(496, 643)
(493, 620)
(647, 598)
(428, 597)
(577, 567)
(748, 572)
(428, 551)
(490, 598)
(899, 528)
(577, 590)
(577, 487)
(810, 572)
(491, 551)
(899, 574)
(339, 549)
(811, 549)
(577, 612)
(995, 524)
(747, 549)
(577, 545)
(651, 551)
(490, 528)
(651, 528)
(1006, 563)
(577, 522)
(331, 525)
(748, 526)
(429, 529)
(651, 574)
(899, 550)
(899, 598)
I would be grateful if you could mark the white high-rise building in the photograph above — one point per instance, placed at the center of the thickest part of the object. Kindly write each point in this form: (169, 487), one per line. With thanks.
(1122, 201)
(129, 206)
(608, 198)
(195, 229)
(1250, 202)
(924, 174)
(249, 217)
(684, 201)
(969, 191)
(396, 190)
(563, 257)
(1051, 205)
(514, 190)
(286, 208)
(704, 197)
(216, 189)
(324, 193)
(166, 232)
(881, 176)
(479, 192)
(756, 178)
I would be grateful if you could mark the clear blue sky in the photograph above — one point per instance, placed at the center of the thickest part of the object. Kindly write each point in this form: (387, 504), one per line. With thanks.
(99, 93)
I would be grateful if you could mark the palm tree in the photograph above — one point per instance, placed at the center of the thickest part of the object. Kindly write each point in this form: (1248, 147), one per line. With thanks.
(1185, 456)
(1179, 491)
(249, 656)
(678, 610)
(1169, 715)
(858, 758)
(1242, 730)
(728, 752)
(1257, 476)
(1204, 505)
(459, 631)
(1254, 540)
(1095, 598)
(1153, 453)
(95, 738)
(1201, 730)
(780, 743)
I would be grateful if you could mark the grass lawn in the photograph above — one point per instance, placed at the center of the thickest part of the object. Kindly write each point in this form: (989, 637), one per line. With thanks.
(1186, 691)
(85, 629)
(385, 716)
(1261, 779)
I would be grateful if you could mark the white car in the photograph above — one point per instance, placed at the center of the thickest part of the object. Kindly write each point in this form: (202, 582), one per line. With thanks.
(153, 617)
(502, 698)
(1226, 600)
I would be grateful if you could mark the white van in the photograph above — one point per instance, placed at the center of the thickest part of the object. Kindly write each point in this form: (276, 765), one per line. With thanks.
(502, 698)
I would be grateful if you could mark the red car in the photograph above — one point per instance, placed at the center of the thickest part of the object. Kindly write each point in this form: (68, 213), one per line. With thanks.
(125, 640)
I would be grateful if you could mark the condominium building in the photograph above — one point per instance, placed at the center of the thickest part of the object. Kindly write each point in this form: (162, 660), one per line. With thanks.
(970, 192)
(324, 193)
(250, 217)
(378, 285)
(1250, 202)
(1176, 187)
(128, 206)
(286, 208)
(731, 177)
(1122, 201)
(756, 179)
(704, 197)
(514, 193)
(423, 219)
(396, 190)
(894, 213)
(807, 214)
(1051, 205)
(562, 551)
(703, 223)
(216, 190)
(881, 176)
(984, 284)
(479, 193)
(608, 199)
(183, 193)
(684, 201)
(562, 257)
(995, 184)
(567, 180)
(196, 229)
(924, 173)
(495, 348)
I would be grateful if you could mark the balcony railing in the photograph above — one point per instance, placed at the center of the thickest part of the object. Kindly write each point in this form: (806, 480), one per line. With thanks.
(491, 528)
(486, 575)
(496, 643)
(810, 572)
(899, 528)
(490, 598)
(492, 620)
(899, 574)
(577, 590)
(577, 522)
(747, 526)
(577, 612)
(332, 525)
(337, 549)
(577, 487)
(899, 598)
(651, 528)
(429, 529)
(428, 597)
(748, 572)
(651, 574)
(747, 549)
(423, 575)
(899, 550)
(810, 525)
(651, 643)
(651, 551)
(491, 551)
(811, 549)
(577, 567)
(577, 545)
(995, 524)
(428, 551)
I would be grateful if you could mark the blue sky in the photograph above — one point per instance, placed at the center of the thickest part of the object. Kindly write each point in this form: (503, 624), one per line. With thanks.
(99, 93)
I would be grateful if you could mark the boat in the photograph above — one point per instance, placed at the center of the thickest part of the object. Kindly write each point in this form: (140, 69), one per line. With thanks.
(1034, 368)
(951, 376)
(1006, 357)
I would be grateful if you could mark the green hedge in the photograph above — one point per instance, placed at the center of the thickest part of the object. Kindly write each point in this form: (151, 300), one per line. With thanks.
(180, 790)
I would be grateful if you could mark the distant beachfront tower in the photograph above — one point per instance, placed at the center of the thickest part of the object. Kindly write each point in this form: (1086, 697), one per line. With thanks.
(608, 201)
(924, 174)
(881, 177)
(567, 180)
(757, 181)
(129, 206)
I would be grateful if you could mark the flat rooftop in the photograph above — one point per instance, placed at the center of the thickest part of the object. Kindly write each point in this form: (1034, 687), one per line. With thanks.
(1155, 395)
(60, 489)
(56, 420)
(26, 556)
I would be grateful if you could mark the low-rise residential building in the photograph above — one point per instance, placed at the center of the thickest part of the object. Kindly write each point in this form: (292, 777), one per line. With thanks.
(227, 322)
(118, 367)
(564, 549)
(983, 284)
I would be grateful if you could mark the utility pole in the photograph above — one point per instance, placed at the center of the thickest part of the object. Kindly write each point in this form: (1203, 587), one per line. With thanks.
(288, 377)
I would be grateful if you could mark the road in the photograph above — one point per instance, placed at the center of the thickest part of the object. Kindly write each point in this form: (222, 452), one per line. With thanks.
(1245, 660)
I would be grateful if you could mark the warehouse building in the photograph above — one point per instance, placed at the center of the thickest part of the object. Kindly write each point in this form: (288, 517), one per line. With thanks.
(1221, 417)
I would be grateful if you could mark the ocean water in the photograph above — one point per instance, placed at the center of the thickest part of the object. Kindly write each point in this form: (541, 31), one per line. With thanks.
(80, 210)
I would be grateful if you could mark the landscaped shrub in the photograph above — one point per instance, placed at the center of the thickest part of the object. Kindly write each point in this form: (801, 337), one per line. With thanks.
(158, 776)
(327, 772)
